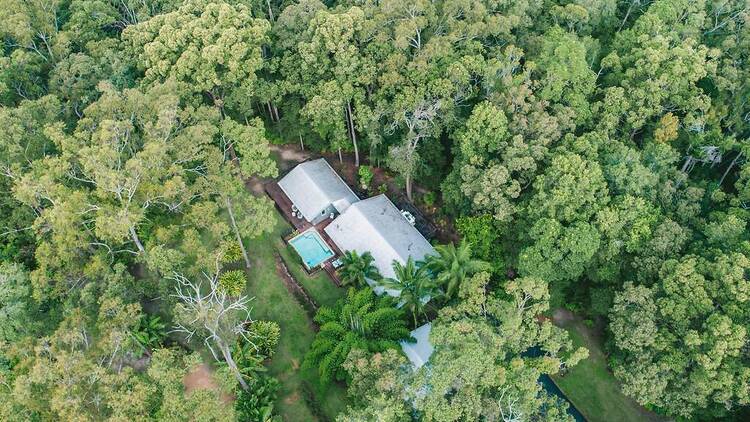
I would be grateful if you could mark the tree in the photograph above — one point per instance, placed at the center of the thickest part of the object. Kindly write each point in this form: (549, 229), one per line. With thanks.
(414, 284)
(208, 47)
(167, 372)
(214, 316)
(360, 321)
(480, 334)
(357, 269)
(334, 73)
(452, 265)
(377, 386)
(680, 341)
(16, 308)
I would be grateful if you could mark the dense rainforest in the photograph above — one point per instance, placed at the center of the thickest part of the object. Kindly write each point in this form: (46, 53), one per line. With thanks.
(591, 155)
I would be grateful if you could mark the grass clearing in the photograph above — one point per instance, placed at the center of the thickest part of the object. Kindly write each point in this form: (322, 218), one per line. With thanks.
(301, 398)
(591, 387)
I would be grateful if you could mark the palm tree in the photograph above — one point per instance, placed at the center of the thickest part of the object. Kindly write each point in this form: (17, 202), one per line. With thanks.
(357, 269)
(362, 320)
(453, 264)
(415, 284)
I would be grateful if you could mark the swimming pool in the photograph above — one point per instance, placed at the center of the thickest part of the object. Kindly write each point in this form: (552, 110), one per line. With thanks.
(311, 248)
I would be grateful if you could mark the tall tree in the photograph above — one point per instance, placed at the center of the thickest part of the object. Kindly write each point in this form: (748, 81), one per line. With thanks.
(680, 341)
(452, 265)
(208, 47)
(415, 286)
(214, 316)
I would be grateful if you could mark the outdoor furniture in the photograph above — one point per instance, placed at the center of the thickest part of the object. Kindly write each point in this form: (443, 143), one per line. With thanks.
(337, 263)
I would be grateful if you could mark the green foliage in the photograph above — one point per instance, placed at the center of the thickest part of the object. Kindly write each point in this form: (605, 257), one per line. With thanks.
(472, 338)
(365, 174)
(233, 282)
(265, 336)
(150, 332)
(257, 403)
(598, 146)
(677, 320)
(452, 265)
(16, 308)
(357, 269)
(360, 321)
(415, 285)
(231, 252)
(429, 198)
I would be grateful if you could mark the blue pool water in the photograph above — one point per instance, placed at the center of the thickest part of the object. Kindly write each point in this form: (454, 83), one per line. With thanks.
(311, 248)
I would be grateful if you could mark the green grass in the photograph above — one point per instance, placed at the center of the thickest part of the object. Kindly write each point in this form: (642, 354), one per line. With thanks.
(592, 388)
(301, 397)
(319, 286)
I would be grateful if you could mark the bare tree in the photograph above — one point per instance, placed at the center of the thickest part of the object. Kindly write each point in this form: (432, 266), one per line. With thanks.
(506, 405)
(212, 314)
(420, 122)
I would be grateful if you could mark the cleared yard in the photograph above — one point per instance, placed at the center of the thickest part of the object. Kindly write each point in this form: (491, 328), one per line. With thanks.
(590, 386)
(301, 397)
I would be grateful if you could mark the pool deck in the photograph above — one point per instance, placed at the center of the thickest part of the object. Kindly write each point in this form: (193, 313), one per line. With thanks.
(284, 205)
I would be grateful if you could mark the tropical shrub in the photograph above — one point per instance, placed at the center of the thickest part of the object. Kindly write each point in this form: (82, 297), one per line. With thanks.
(265, 336)
(256, 403)
(150, 332)
(233, 282)
(362, 320)
(231, 252)
(453, 264)
(365, 176)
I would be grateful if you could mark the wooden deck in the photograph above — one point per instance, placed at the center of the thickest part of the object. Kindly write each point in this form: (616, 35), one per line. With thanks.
(284, 205)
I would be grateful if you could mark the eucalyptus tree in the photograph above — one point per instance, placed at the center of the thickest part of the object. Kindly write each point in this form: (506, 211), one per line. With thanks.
(335, 74)
(208, 47)
(680, 342)
(132, 152)
(214, 316)
(35, 26)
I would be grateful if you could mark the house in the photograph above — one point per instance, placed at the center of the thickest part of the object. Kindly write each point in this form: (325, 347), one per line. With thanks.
(419, 353)
(317, 191)
(377, 226)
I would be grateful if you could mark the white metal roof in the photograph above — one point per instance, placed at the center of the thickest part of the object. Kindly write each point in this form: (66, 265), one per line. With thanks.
(419, 352)
(377, 226)
(313, 185)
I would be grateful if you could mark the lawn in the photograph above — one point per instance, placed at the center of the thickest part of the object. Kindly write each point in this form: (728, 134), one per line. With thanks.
(301, 397)
(591, 387)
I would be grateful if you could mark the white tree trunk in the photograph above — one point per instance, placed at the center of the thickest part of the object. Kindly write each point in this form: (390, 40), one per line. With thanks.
(137, 240)
(237, 233)
(232, 365)
(353, 132)
(409, 187)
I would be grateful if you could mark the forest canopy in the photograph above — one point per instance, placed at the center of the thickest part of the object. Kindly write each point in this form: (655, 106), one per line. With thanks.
(590, 155)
